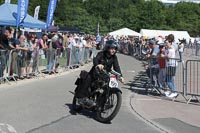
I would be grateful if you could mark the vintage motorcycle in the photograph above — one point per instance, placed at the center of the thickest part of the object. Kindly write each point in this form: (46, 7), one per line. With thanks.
(106, 96)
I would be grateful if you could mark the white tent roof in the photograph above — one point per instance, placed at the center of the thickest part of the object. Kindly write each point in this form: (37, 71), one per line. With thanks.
(125, 32)
(156, 33)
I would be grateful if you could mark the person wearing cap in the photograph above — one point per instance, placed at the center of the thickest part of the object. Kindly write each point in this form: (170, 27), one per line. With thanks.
(162, 64)
(153, 69)
(154, 51)
(154, 48)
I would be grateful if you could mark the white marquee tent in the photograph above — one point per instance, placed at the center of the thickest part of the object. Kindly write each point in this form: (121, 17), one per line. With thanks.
(156, 33)
(125, 32)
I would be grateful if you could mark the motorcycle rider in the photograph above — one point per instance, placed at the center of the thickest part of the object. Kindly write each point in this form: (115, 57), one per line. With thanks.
(105, 60)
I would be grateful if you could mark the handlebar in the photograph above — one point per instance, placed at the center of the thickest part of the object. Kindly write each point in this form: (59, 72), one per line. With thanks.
(115, 73)
(118, 75)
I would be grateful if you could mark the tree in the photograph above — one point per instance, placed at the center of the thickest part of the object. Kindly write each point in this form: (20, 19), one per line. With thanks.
(115, 14)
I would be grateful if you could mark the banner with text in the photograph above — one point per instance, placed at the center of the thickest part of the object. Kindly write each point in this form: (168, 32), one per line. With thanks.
(51, 9)
(22, 9)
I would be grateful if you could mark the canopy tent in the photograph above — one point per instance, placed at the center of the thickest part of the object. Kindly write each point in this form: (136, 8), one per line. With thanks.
(125, 32)
(163, 33)
(7, 18)
(31, 30)
(69, 29)
(52, 28)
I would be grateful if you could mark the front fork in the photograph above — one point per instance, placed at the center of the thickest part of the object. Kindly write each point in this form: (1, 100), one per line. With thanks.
(102, 99)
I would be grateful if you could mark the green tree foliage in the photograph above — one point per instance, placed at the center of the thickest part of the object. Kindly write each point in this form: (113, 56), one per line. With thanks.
(115, 14)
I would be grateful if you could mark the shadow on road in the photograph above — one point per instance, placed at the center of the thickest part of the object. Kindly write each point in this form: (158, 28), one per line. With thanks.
(140, 85)
(88, 114)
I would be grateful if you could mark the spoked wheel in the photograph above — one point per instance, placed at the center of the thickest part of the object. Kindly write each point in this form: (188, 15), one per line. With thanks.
(75, 105)
(111, 108)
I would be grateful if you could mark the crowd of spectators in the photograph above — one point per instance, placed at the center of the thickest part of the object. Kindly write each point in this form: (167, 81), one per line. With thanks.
(20, 56)
(161, 53)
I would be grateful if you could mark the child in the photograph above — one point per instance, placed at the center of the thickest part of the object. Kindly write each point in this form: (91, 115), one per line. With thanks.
(162, 65)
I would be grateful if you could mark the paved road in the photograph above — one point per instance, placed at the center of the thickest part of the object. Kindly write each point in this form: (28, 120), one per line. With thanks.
(43, 106)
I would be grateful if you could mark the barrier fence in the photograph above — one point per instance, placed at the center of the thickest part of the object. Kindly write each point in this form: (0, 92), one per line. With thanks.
(15, 63)
(136, 50)
(187, 74)
(192, 79)
(192, 50)
(183, 77)
(18, 64)
(165, 72)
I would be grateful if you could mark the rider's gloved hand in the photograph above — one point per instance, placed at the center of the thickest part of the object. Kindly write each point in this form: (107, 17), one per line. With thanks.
(100, 67)
(122, 80)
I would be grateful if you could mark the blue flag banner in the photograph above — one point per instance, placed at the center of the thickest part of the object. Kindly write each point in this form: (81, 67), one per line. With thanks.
(51, 9)
(22, 9)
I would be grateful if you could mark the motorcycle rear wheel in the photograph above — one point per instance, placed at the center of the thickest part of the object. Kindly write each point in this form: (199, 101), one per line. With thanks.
(109, 107)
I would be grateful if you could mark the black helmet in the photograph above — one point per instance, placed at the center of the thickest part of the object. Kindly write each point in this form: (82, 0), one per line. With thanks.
(110, 44)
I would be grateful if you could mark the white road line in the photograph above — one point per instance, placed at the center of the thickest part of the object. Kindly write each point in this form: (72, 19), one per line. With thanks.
(6, 128)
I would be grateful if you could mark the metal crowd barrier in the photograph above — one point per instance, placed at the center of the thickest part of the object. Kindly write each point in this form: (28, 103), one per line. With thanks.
(136, 50)
(15, 63)
(8, 65)
(73, 57)
(192, 51)
(163, 71)
(192, 79)
(3, 64)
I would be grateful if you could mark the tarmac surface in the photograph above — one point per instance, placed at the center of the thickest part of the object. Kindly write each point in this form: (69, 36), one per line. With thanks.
(43, 105)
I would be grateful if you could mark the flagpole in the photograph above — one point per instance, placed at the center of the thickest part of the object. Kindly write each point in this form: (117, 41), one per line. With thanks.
(98, 29)
(7, 1)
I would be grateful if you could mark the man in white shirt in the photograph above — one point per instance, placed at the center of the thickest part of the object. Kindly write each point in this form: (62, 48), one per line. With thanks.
(180, 50)
(76, 49)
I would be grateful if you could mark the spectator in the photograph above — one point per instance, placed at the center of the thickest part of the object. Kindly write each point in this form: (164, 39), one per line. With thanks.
(153, 69)
(3, 54)
(171, 67)
(94, 47)
(31, 54)
(65, 44)
(197, 45)
(34, 42)
(11, 44)
(162, 65)
(181, 49)
(77, 45)
(59, 50)
(130, 46)
(50, 52)
(21, 59)
(42, 43)
(88, 46)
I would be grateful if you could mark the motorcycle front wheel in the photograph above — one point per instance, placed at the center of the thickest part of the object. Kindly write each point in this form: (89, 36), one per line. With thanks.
(111, 107)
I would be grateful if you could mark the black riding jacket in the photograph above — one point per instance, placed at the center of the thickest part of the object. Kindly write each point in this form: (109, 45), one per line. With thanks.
(108, 62)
